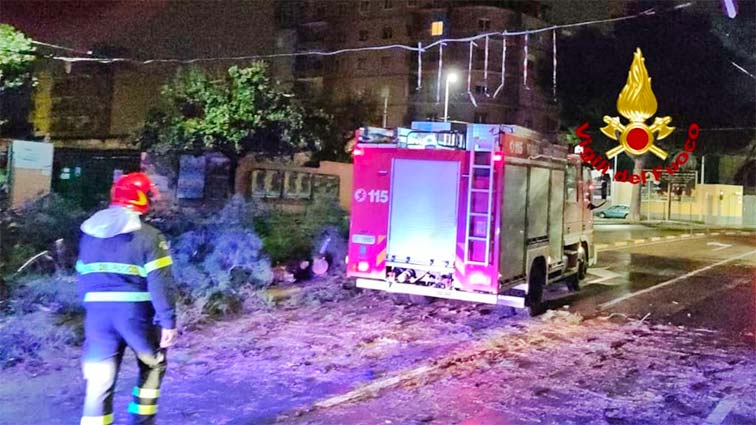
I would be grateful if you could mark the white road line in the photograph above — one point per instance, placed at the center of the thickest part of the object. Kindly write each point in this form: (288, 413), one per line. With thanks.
(639, 240)
(719, 245)
(375, 386)
(670, 237)
(655, 238)
(620, 243)
(671, 281)
(720, 412)
(715, 234)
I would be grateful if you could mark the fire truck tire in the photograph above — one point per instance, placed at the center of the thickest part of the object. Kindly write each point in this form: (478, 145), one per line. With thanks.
(583, 263)
(536, 283)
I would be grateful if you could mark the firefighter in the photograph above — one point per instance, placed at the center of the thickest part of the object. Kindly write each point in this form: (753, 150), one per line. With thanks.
(124, 277)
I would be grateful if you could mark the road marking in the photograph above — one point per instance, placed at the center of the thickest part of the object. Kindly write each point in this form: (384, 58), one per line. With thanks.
(620, 243)
(686, 235)
(603, 275)
(700, 234)
(671, 281)
(715, 234)
(721, 411)
(601, 246)
(720, 245)
(375, 386)
(655, 238)
(729, 233)
(639, 241)
(670, 237)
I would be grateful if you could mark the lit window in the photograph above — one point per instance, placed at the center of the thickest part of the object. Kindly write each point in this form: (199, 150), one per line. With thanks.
(387, 33)
(364, 6)
(388, 4)
(363, 35)
(484, 24)
(437, 28)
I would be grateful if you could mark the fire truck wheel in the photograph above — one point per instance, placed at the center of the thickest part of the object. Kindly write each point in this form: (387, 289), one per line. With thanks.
(536, 281)
(583, 264)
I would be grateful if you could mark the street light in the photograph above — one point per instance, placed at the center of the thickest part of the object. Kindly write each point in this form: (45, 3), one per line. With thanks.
(451, 77)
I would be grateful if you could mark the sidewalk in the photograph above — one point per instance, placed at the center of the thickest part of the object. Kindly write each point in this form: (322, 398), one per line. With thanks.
(613, 233)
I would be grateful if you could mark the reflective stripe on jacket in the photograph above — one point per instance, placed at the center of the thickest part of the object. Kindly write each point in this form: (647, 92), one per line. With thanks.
(128, 267)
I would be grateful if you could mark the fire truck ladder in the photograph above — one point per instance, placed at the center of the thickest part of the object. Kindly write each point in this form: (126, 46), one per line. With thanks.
(479, 222)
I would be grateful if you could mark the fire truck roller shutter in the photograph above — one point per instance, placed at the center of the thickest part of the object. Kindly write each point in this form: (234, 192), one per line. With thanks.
(423, 211)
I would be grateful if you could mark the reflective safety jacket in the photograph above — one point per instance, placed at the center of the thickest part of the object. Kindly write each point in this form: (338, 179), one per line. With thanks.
(122, 259)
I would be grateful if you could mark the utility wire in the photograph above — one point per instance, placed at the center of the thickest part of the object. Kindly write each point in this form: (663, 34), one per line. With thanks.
(411, 48)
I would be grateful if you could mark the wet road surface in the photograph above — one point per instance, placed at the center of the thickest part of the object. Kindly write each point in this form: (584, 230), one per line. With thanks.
(707, 282)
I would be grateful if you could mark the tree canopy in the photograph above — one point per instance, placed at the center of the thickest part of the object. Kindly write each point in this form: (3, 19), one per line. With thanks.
(238, 113)
(16, 58)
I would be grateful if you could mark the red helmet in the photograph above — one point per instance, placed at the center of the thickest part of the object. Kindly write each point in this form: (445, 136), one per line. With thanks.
(132, 191)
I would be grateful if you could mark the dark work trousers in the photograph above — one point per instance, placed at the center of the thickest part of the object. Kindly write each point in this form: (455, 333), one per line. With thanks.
(109, 327)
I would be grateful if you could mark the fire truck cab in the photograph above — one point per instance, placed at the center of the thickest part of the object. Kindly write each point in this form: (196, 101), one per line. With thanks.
(477, 212)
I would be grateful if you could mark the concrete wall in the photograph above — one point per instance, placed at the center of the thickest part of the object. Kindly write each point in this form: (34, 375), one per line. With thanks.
(749, 210)
(248, 165)
(717, 204)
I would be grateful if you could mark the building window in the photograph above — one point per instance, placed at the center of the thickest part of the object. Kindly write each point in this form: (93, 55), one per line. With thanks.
(481, 117)
(411, 3)
(484, 24)
(388, 4)
(385, 62)
(364, 6)
(362, 64)
(363, 35)
(341, 37)
(387, 33)
(480, 89)
(437, 28)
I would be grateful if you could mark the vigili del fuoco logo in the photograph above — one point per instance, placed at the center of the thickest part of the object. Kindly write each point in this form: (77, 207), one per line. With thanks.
(637, 103)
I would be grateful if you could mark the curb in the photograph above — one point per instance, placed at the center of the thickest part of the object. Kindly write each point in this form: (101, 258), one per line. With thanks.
(654, 239)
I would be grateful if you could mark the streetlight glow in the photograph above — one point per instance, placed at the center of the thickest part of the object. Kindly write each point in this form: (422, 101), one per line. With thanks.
(451, 77)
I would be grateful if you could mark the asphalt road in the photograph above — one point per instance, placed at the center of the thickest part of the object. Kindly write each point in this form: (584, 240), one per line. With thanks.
(334, 356)
(705, 281)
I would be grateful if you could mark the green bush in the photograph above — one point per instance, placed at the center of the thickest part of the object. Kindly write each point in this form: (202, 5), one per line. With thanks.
(32, 338)
(35, 228)
(46, 317)
(294, 236)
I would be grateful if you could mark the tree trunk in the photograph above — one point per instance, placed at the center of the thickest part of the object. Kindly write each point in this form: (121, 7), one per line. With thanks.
(635, 199)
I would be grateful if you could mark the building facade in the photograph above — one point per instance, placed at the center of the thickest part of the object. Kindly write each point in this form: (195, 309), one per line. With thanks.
(405, 84)
(104, 105)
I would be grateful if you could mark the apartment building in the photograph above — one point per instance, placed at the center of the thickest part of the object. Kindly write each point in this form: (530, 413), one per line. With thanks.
(406, 83)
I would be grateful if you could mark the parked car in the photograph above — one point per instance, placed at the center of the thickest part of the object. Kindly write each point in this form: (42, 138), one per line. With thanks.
(615, 211)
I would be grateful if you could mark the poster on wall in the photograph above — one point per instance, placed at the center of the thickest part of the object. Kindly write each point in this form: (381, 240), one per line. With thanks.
(30, 171)
(191, 180)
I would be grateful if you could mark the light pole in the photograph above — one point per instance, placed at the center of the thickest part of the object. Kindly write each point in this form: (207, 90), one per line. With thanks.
(385, 106)
(451, 77)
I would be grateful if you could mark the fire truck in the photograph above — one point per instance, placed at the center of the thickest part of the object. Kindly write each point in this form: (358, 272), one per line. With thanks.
(476, 212)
